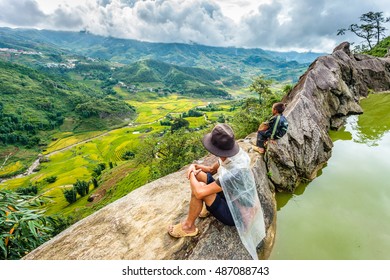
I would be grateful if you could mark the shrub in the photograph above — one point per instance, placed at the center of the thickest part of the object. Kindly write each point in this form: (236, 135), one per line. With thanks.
(179, 123)
(168, 153)
(51, 179)
(128, 155)
(247, 119)
(221, 118)
(61, 223)
(81, 187)
(22, 228)
(94, 182)
(192, 113)
(98, 169)
(70, 195)
(165, 123)
(30, 190)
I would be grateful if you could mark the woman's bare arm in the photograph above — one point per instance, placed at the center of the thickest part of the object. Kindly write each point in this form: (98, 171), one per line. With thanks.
(200, 189)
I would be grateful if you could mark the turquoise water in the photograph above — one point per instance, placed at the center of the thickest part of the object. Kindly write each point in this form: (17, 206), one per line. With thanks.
(345, 212)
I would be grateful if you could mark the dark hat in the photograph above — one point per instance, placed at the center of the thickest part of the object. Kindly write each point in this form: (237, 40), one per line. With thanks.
(220, 141)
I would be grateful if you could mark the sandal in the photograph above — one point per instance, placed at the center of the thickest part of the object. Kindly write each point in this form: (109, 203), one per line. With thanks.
(204, 213)
(177, 231)
(259, 150)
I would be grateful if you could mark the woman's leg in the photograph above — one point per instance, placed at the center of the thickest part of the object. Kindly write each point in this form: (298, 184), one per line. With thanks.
(194, 210)
(196, 205)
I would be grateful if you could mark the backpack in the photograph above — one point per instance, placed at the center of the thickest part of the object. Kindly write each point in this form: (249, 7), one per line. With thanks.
(280, 128)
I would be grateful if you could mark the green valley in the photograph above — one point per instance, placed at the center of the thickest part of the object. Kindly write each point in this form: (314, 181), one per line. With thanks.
(93, 128)
(33, 105)
(96, 118)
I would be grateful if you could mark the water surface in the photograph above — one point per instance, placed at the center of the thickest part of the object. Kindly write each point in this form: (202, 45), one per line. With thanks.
(345, 212)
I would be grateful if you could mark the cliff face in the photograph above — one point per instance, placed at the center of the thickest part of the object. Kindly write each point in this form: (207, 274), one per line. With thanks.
(325, 95)
(135, 227)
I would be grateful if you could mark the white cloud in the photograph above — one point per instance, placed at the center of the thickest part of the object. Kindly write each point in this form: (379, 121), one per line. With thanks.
(236, 9)
(293, 24)
(11, 13)
(269, 24)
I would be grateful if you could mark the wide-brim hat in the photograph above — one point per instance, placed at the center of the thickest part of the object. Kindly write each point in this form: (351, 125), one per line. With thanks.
(220, 141)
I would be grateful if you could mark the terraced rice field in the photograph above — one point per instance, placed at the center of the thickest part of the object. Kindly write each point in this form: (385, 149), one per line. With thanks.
(74, 156)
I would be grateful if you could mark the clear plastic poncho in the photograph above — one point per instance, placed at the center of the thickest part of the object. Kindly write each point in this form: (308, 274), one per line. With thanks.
(238, 185)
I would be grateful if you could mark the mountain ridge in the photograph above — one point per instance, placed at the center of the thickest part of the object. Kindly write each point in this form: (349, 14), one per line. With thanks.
(69, 39)
(192, 55)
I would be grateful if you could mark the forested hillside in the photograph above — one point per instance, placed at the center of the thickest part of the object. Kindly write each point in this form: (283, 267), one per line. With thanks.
(31, 101)
(185, 80)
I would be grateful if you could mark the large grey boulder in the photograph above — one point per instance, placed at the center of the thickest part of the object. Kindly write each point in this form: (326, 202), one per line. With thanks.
(328, 92)
(135, 226)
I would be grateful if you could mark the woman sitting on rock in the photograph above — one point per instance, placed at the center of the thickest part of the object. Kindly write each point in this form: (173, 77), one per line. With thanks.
(232, 198)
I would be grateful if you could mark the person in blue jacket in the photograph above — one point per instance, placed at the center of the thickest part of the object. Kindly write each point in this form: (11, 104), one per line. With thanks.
(272, 129)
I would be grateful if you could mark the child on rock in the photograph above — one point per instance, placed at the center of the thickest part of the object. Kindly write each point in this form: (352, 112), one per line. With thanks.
(272, 129)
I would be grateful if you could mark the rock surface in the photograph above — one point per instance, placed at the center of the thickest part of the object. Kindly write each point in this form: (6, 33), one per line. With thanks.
(135, 226)
(325, 95)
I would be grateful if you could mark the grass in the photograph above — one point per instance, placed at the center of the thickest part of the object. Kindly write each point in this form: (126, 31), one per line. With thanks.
(151, 107)
(118, 181)
(78, 162)
(19, 159)
(154, 110)
(134, 179)
(16, 183)
(196, 122)
(76, 209)
(65, 139)
(68, 124)
(213, 116)
(12, 169)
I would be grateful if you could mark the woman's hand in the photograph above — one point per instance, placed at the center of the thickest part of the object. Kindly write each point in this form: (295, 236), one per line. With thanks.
(192, 168)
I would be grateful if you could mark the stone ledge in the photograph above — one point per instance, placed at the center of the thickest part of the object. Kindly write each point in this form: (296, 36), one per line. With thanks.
(135, 226)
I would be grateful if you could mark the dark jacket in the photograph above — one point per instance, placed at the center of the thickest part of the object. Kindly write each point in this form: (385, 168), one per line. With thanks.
(277, 127)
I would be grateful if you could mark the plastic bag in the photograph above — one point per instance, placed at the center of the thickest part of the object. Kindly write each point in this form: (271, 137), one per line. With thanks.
(239, 188)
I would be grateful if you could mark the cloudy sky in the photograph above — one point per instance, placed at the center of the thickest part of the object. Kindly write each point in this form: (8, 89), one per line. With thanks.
(300, 25)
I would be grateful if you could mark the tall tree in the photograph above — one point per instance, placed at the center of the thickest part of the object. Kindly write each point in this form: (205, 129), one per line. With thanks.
(170, 152)
(261, 85)
(371, 28)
